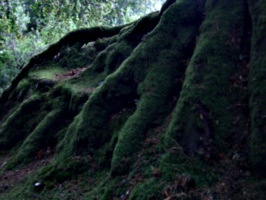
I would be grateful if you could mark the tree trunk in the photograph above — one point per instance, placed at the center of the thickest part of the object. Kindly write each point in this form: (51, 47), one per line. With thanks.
(171, 106)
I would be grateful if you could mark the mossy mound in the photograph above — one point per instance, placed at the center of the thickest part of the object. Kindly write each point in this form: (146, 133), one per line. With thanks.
(171, 106)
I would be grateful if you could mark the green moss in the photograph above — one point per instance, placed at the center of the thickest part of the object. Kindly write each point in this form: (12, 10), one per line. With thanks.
(58, 172)
(25, 90)
(76, 38)
(117, 93)
(203, 114)
(47, 73)
(174, 164)
(22, 122)
(110, 191)
(112, 57)
(110, 120)
(149, 189)
(42, 137)
(157, 86)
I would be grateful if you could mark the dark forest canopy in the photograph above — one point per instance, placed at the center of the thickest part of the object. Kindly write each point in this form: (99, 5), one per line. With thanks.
(171, 106)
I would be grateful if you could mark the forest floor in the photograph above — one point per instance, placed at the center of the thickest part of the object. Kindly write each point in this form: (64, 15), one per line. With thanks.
(233, 183)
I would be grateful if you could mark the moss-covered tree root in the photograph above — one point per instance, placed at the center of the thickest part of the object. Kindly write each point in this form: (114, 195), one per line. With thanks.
(171, 106)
